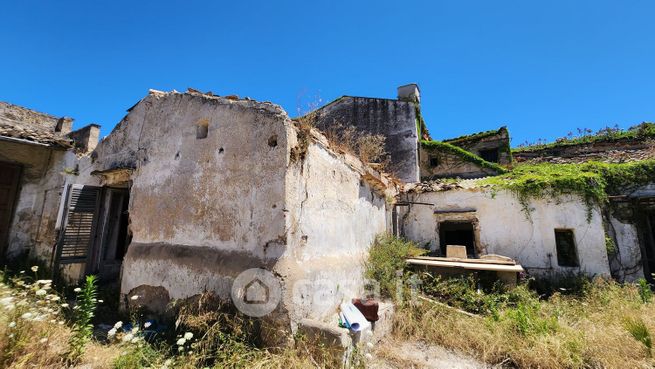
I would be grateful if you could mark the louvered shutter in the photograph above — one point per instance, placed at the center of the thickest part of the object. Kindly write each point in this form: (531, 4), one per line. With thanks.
(76, 238)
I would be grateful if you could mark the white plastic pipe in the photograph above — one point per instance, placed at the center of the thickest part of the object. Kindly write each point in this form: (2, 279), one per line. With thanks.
(354, 317)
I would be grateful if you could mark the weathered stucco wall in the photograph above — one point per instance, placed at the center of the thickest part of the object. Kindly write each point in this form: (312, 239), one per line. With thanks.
(201, 209)
(32, 231)
(394, 119)
(255, 192)
(627, 262)
(334, 216)
(505, 230)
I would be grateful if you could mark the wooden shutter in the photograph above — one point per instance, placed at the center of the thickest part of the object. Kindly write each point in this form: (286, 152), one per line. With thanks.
(80, 220)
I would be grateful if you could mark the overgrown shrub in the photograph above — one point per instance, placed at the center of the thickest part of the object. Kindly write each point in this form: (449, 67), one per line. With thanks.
(639, 331)
(645, 290)
(386, 262)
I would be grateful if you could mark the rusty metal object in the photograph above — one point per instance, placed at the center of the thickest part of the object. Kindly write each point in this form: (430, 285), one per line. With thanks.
(369, 308)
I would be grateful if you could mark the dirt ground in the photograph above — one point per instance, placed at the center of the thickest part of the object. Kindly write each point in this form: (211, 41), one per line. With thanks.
(403, 355)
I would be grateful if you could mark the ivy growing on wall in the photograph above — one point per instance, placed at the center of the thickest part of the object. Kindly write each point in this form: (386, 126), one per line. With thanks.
(465, 155)
(592, 181)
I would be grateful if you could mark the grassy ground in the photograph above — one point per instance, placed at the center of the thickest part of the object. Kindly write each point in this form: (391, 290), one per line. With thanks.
(589, 324)
(39, 329)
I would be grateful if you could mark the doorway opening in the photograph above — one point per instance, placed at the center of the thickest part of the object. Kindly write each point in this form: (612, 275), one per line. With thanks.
(9, 181)
(113, 235)
(645, 216)
(457, 233)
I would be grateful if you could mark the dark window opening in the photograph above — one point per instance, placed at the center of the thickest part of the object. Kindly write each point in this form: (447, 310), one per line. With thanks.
(202, 128)
(490, 155)
(457, 233)
(567, 255)
(434, 161)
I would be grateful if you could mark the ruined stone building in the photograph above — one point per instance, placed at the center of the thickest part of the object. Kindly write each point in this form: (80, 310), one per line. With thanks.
(191, 189)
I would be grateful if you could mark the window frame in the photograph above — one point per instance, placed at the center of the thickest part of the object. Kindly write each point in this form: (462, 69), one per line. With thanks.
(570, 261)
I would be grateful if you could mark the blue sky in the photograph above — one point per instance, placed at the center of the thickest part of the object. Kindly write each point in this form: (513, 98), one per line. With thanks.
(543, 68)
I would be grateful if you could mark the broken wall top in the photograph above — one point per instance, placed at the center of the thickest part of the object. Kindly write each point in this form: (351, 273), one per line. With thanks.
(396, 120)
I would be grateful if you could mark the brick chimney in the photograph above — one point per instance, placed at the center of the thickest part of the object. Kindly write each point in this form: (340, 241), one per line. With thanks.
(409, 92)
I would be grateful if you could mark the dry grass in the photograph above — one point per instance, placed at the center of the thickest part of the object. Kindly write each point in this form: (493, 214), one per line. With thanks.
(587, 331)
(368, 147)
(35, 334)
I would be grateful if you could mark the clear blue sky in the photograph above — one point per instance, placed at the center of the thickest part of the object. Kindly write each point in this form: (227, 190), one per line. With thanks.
(543, 68)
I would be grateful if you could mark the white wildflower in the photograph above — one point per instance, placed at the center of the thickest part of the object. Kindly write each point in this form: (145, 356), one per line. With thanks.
(35, 268)
(135, 340)
(55, 298)
(135, 330)
(181, 341)
(22, 272)
(128, 337)
(188, 336)
(77, 290)
(27, 316)
(118, 324)
(12, 325)
(100, 301)
(41, 292)
(111, 333)
(134, 298)
(65, 305)
(147, 325)
(6, 300)
(44, 281)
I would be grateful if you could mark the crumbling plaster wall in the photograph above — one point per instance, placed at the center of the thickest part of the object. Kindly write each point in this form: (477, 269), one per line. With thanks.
(201, 209)
(504, 228)
(32, 231)
(395, 119)
(627, 264)
(334, 216)
(256, 192)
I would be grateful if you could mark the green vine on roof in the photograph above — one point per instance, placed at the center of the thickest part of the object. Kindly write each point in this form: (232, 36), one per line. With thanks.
(466, 155)
(607, 134)
(475, 136)
(593, 181)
